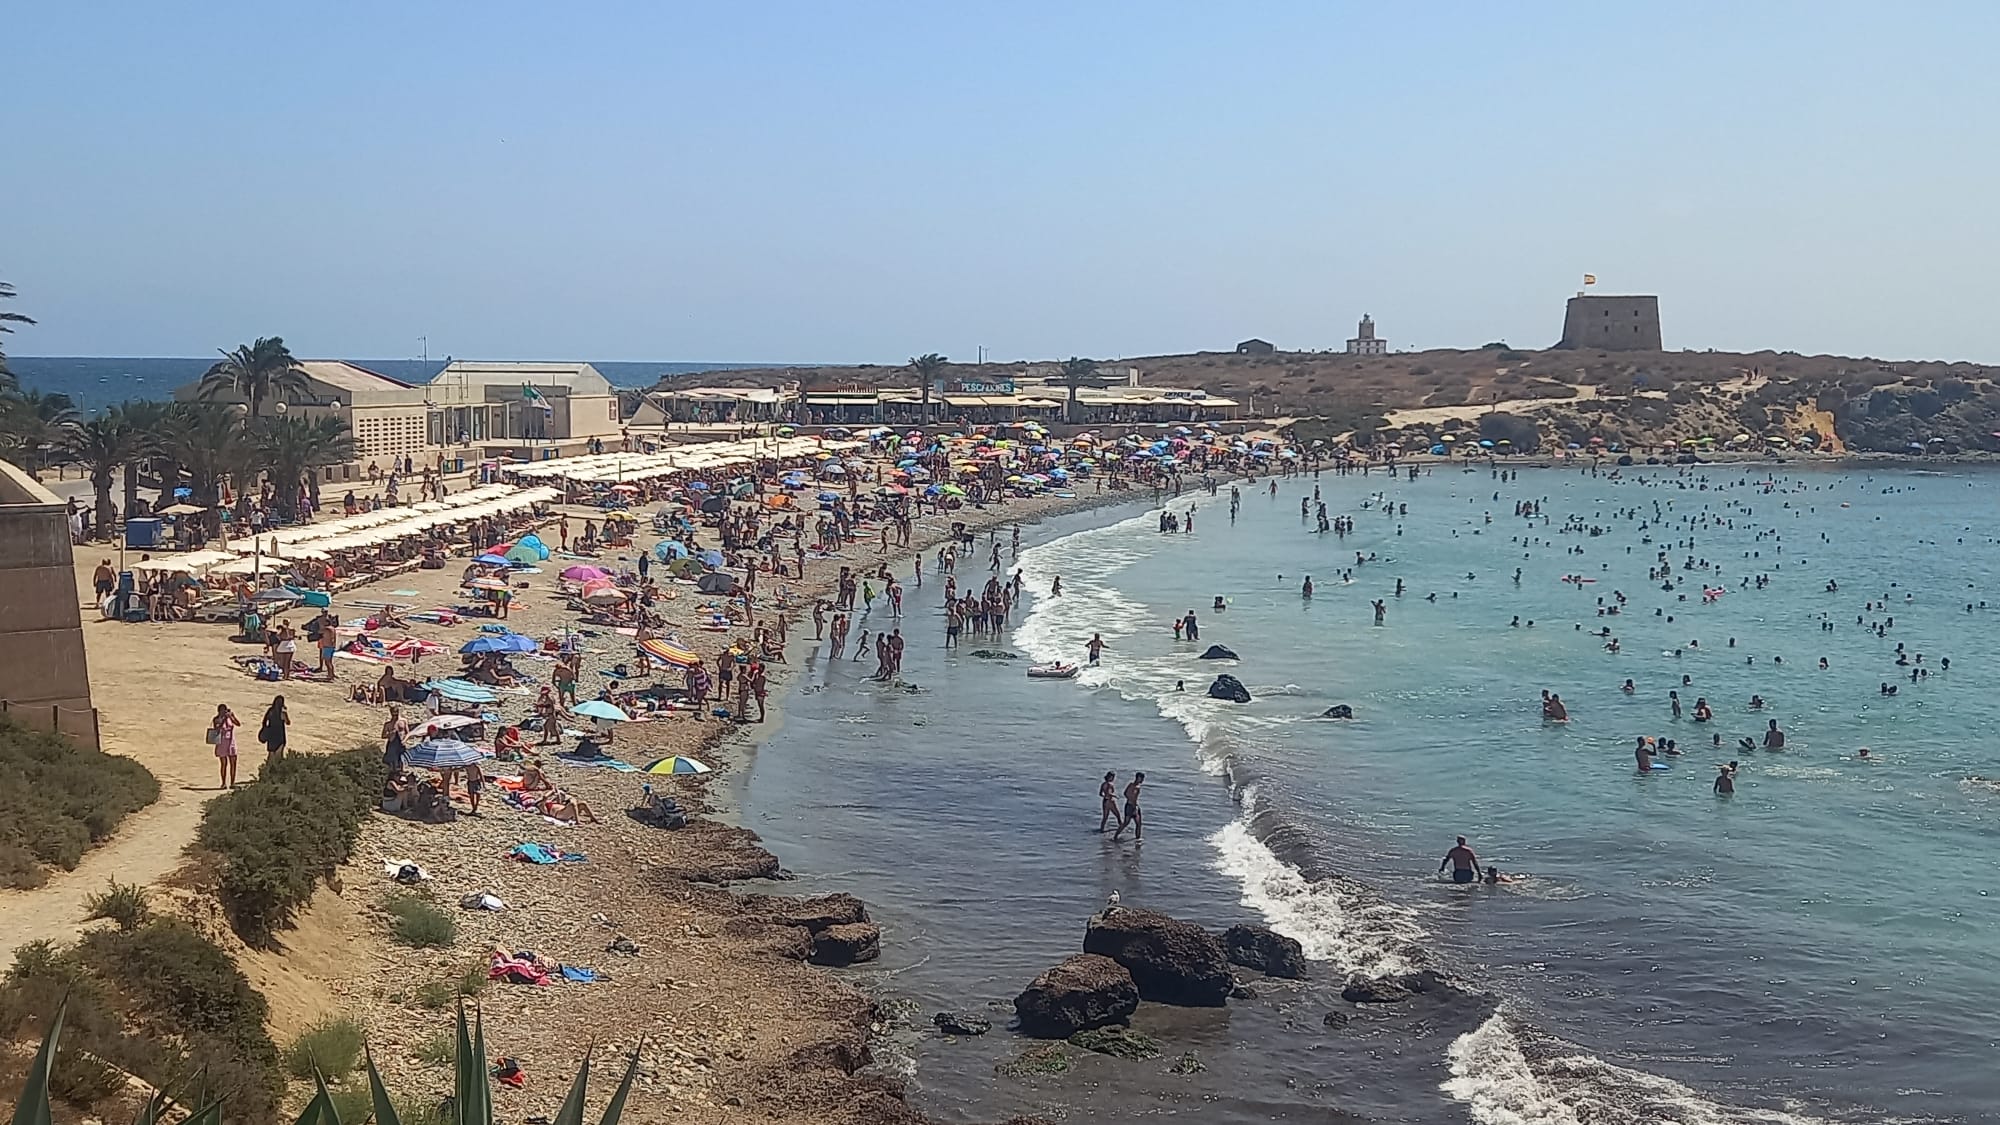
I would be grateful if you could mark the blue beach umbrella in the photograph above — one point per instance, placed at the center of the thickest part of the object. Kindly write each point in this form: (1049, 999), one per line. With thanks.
(699, 486)
(491, 560)
(668, 549)
(598, 709)
(501, 642)
(442, 754)
(710, 558)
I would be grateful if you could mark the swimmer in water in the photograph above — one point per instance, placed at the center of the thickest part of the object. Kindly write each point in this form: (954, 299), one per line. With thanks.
(1464, 865)
(1495, 876)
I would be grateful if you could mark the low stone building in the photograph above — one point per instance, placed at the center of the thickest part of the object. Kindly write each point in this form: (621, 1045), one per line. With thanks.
(1254, 346)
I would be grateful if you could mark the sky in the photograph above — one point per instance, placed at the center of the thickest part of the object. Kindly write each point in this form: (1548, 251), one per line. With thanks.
(854, 182)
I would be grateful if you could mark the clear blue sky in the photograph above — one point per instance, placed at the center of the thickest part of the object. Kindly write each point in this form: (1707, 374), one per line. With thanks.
(851, 182)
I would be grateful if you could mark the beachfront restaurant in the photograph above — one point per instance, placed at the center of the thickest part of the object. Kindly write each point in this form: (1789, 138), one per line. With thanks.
(714, 404)
(842, 408)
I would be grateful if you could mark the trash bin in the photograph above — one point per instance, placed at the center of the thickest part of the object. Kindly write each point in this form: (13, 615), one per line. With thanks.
(143, 532)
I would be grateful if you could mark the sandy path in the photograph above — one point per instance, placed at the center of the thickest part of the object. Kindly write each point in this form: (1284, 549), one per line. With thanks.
(1432, 415)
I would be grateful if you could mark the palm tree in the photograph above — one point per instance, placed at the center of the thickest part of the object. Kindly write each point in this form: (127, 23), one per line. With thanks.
(291, 448)
(7, 319)
(102, 445)
(1074, 372)
(928, 367)
(33, 420)
(147, 420)
(255, 371)
(206, 440)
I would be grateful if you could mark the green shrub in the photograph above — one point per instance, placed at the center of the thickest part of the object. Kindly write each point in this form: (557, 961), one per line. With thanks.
(433, 995)
(278, 836)
(125, 905)
(473, 982)
(332, 1046)
(437, 1050)
(416, 921)
(352, 1103)
(60, 799)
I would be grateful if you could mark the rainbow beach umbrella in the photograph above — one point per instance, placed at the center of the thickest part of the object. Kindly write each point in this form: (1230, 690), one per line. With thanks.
(676, 764)
(670, 653)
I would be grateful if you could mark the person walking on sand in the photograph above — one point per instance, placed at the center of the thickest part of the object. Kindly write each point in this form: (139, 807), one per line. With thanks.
(1107, 797)
(1132, 820)
(1464, 865)
(222, 736)
(758, 686)
(272, 731)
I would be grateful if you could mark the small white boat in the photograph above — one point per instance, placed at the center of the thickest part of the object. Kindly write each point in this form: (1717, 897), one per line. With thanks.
(1053, 672)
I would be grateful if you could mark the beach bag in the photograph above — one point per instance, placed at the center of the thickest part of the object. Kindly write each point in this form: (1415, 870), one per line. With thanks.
(213, 737)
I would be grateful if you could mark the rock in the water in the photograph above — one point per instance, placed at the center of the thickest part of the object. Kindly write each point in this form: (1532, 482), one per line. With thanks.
(1172, 961)
(1242, 992)
(1369, 990)
(1229, 688)
(1083, 992)
(1040, 1059)
(1335, 1019)
(1118, 1042)
(962, 1023)
(1218, 652)
(1268, 952)
(1337, 711)
(994, 654)
(815, 913)
(847, 944)
(1189, 1063)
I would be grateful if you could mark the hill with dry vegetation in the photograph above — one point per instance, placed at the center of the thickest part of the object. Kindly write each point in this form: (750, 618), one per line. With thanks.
(1554, 396)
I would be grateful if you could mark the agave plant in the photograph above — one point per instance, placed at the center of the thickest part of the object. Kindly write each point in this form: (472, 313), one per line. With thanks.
(471, 1103)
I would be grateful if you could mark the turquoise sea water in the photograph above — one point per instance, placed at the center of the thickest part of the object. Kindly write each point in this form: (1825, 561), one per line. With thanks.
(1819, 946)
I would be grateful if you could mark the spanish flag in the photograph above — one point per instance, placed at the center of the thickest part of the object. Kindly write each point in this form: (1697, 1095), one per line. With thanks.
(1590, 279)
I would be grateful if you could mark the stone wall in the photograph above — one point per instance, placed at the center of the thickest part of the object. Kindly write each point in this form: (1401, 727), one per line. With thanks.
(1612, 324)
(44, 681)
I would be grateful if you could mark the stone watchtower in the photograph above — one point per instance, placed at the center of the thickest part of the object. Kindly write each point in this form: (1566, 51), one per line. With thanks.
(1364, 341)
(1612, 324)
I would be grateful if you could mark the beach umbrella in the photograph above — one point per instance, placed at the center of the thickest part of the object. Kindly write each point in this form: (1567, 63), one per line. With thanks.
(1485, 445)
(440, 723)
(442, 754)
(585, 573)
(409, 648)
(499, 642)
(486, 584)
(1449, 438)
(675, 764)
(462, 691)
(710, 558)
(625, 488)
(828, 496)
(606, 595)
(669, 652)
(699, 486)
(491, 560)
(599, 709)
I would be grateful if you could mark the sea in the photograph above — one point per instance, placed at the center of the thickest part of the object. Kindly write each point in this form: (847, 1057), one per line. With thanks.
(1818, 947)
(97, 382)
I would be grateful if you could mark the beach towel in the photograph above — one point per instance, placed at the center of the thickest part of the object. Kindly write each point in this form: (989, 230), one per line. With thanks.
(611, 764)
(533, 853)
(581, 975)
(405, 871)
(517, 970)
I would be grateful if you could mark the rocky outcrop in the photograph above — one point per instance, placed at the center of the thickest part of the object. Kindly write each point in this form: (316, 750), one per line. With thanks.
(1374, 990)
(962, 1023)
(1172, 961)
(1218, 652)
(814, 913)
(1265, 950)
(1083, 992)
(847, 944)
(1337, 711)
(1230, 689)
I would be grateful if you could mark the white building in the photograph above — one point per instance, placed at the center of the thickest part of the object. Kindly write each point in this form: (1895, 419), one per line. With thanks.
(1364, 341)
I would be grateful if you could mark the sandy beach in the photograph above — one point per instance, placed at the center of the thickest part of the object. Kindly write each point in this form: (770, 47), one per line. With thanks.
(735, 1023)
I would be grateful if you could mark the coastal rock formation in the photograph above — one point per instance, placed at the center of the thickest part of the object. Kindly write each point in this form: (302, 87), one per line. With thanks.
(1265, 950)
(993, 654)
(847, 944)
(962, 1023)
(814, 913)
(1227, 687)
(1337, 711)
(1083, 992)
(1374, 990)
(1218, 652)
(1172, 961)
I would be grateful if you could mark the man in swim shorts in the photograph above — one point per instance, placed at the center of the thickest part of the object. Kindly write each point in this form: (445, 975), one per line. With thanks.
(1464, 865)
(1132, 818)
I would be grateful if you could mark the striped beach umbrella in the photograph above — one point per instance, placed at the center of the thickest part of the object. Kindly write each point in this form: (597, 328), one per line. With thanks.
(670, 653)
(442, 754)
(676, 764)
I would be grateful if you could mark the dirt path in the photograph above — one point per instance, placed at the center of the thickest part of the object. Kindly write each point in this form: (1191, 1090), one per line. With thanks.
(1432, 415)
(146, 847)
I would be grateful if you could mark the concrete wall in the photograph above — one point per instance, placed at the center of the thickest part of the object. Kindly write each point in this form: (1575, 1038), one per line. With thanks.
(44, 680)
(1613, 324)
